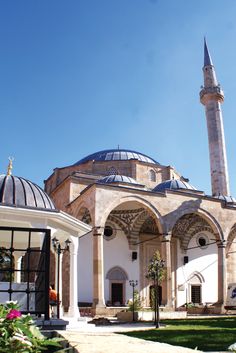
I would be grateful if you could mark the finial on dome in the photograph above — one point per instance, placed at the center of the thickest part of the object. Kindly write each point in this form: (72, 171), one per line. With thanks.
(207, 57)
(9, 168)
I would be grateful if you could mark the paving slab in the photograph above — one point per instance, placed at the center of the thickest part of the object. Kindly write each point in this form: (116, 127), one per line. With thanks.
(110, 342)
(88, 338)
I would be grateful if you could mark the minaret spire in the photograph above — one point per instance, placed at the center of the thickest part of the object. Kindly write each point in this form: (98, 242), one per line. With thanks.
(211, 96)
(207, 57)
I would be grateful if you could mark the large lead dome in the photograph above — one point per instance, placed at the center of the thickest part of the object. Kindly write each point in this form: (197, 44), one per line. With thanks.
(19, 192)
(117, 155)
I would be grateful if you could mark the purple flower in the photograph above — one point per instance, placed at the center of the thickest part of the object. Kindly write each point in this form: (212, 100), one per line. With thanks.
(13, 314)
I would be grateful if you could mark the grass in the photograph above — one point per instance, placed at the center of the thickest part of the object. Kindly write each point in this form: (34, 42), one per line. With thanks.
(211, 334)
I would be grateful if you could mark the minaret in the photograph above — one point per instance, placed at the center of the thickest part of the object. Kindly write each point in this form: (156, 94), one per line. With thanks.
(212, 96)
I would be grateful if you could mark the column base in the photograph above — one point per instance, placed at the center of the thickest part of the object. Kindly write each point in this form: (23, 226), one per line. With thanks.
(73, 312)
(99, 310)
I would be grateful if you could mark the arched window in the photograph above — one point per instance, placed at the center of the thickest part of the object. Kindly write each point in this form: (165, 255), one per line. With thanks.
(195, 283)
(152, 175)
(112, 171)
(116, 274)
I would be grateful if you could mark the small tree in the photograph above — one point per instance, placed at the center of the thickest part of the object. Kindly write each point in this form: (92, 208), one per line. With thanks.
(156, 273)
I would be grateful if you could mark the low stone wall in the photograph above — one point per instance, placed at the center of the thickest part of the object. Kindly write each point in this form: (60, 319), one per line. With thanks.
(127, 316)
(145, 315)
(205, 310)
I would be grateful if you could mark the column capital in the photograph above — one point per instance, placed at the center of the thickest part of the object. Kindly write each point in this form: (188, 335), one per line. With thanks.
(97, 231)
(166, 237)
(222, 244)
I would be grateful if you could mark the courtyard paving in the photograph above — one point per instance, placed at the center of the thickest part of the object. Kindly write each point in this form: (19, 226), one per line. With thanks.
(88, 338)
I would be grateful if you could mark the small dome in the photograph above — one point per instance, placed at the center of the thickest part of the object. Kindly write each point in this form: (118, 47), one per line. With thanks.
(117, 179)
(17, 191)
(116, 155)
(173, 184)
(227, 199)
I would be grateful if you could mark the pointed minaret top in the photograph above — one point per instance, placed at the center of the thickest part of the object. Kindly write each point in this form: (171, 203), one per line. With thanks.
(207, 57)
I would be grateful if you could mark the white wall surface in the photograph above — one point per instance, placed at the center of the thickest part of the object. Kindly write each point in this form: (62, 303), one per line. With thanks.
(117, 253)
(203, 261)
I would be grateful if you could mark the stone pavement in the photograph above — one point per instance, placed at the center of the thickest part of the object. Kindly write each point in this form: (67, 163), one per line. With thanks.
(88, 338)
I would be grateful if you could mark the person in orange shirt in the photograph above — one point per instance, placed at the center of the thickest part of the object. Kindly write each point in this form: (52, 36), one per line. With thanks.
(52, 299)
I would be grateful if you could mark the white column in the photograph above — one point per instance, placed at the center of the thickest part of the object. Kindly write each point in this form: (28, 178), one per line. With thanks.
(18, 258)
(73, 308)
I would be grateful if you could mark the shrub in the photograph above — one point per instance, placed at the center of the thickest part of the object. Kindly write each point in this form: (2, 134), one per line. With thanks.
(18, 332)
(136, 305)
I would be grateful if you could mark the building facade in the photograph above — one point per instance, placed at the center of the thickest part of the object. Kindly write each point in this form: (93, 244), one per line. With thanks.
(136, 206)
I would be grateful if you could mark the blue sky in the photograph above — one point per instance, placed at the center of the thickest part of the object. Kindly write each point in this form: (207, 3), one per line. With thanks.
(79, 76)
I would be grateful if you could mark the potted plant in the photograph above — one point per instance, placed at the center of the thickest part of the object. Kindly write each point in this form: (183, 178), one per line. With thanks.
(134, 306)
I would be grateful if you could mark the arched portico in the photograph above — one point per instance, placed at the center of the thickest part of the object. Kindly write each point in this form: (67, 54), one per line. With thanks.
(198, 234)
(231, 255)
(134, 221)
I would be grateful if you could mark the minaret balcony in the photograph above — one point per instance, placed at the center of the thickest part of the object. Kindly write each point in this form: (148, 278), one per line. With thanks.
(211, 93)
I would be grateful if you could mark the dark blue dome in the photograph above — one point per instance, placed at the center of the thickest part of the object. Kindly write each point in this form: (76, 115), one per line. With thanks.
(19, 192)
(117, 179)
(227, 199)
(173, 184)
(117, 155)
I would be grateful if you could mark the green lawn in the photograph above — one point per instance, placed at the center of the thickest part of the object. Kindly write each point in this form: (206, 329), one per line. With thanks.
(211, 334)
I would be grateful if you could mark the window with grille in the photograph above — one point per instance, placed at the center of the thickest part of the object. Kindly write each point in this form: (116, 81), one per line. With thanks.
(112, 171)
(24, 268)
(196, 294)
(152, 175)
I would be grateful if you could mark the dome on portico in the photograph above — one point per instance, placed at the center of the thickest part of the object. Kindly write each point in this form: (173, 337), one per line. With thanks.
(173, 184)
(116, 178)
(227, 199)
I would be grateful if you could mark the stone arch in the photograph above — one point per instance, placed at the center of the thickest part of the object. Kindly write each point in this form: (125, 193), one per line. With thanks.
(143, 217)
(129, 217)
(230, 239)
(84, 215)
(192, 208)
(142, 202)
(117, 273)
(191, 223)
(231, 255)
(196, 277)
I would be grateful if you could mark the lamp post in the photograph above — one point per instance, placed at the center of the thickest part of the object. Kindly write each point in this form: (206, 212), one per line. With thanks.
(59, 250)
(156, 265)
(133, 284)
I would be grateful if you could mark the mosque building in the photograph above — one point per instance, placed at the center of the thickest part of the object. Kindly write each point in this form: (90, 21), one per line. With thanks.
(136, 206)
(118, 207)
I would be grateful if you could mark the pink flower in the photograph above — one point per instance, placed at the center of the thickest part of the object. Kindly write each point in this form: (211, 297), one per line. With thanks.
(13, 314)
